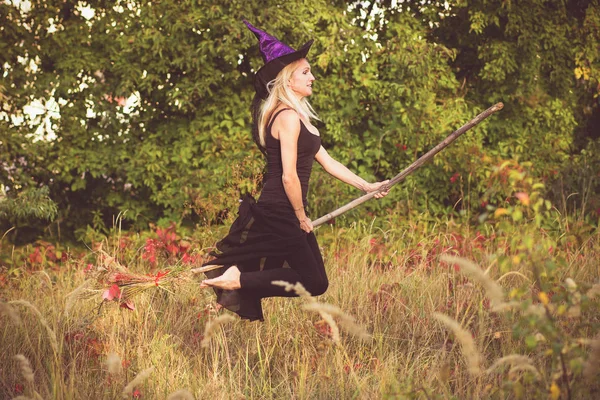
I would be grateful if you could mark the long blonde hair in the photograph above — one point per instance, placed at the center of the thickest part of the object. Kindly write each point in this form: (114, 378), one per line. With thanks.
(280, 93)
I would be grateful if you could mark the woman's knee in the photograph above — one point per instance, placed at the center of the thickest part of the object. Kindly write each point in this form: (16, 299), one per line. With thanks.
(322, 288)
(317, 287)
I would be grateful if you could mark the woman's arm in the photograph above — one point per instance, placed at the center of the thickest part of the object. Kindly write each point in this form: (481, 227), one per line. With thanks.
(341, 172)
(288, 129)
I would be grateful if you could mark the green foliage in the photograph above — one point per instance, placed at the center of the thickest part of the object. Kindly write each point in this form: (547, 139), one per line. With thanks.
(389, 109)
(513, 192)
(27, 205)
(143, 106)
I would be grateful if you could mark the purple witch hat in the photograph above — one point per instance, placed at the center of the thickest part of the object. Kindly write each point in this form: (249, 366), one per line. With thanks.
(276, 56)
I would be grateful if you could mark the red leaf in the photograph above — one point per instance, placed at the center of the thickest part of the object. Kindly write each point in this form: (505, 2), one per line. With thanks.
(184, 245)
(36, 256)
(128, 305)
(112, 293)
(160, 275)
(173, 249)
(523, 197)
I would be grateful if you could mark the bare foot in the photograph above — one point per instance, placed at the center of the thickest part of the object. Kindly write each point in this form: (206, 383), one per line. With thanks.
(230, 280)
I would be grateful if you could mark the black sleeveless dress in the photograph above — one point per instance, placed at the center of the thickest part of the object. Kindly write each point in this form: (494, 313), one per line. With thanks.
(273, 192)
(267, 228)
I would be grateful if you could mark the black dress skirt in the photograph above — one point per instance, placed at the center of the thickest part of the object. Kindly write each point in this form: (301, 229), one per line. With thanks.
(267, 229)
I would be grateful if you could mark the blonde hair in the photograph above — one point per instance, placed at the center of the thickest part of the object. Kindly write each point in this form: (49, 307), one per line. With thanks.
(280, 93)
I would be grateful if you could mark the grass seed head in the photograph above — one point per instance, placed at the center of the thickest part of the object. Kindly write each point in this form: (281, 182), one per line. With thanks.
(138, 380)
(536, 309)
(591, 367)
(506, 306)
(25, 368)
(211, 327)
(181, 394)
(51, 334)
(347, 322)
(493, 290)
(594, 291)
(469, 350)
(298, 288)
(511, 359)
(570, 283)
(524, 367)
(327, 317)
(78, 293)
(6, 309)
(113, 364)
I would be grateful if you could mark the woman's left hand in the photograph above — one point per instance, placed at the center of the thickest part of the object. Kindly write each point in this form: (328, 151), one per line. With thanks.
(372, 187)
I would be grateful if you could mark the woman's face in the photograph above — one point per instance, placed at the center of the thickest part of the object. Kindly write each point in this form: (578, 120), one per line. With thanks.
(302, 79)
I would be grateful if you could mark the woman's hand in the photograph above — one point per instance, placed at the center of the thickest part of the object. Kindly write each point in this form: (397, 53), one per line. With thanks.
(372, 187)
(305, 222)
(306, 225)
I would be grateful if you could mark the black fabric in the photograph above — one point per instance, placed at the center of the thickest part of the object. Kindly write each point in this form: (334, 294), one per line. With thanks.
(305, 266)
(267, 233)
(308, 146)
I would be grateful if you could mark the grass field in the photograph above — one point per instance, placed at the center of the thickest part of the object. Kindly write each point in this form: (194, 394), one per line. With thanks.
(389, 281)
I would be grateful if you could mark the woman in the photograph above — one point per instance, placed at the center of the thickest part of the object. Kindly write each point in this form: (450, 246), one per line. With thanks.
(272, 239)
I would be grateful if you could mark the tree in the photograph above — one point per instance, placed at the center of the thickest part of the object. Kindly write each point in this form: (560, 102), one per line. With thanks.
(144, 105)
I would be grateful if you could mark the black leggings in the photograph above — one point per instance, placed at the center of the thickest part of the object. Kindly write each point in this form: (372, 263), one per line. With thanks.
(306, 267)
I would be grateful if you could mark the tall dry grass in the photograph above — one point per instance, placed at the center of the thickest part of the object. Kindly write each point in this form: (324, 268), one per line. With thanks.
(384, 284)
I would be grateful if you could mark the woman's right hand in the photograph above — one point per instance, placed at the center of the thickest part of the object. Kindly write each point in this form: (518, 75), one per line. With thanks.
(305, 224)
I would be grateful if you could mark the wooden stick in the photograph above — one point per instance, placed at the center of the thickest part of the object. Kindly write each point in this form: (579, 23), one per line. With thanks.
(410, 169)
(206, 268)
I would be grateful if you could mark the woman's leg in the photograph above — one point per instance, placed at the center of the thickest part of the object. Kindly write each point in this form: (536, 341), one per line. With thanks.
(306, 267)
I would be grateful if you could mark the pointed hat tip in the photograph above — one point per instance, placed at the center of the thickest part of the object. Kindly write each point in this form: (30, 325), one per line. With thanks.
(250, 26)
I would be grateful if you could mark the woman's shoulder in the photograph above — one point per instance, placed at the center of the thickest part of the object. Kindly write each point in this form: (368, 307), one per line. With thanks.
(286, 117)
(284, 110)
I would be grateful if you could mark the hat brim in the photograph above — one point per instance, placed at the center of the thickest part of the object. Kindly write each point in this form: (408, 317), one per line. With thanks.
(270, 70)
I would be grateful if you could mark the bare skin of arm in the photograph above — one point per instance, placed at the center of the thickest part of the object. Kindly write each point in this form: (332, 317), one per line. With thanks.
(286, 128)
(341, 172)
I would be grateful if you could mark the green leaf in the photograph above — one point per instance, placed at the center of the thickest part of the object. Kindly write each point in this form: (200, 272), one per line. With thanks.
(531, 342)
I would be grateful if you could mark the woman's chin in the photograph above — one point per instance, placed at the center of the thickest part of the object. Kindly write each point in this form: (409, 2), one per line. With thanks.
(303, 94)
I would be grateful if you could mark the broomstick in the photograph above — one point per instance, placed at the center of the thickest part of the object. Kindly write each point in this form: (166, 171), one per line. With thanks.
(411, 168)
(398, 178)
